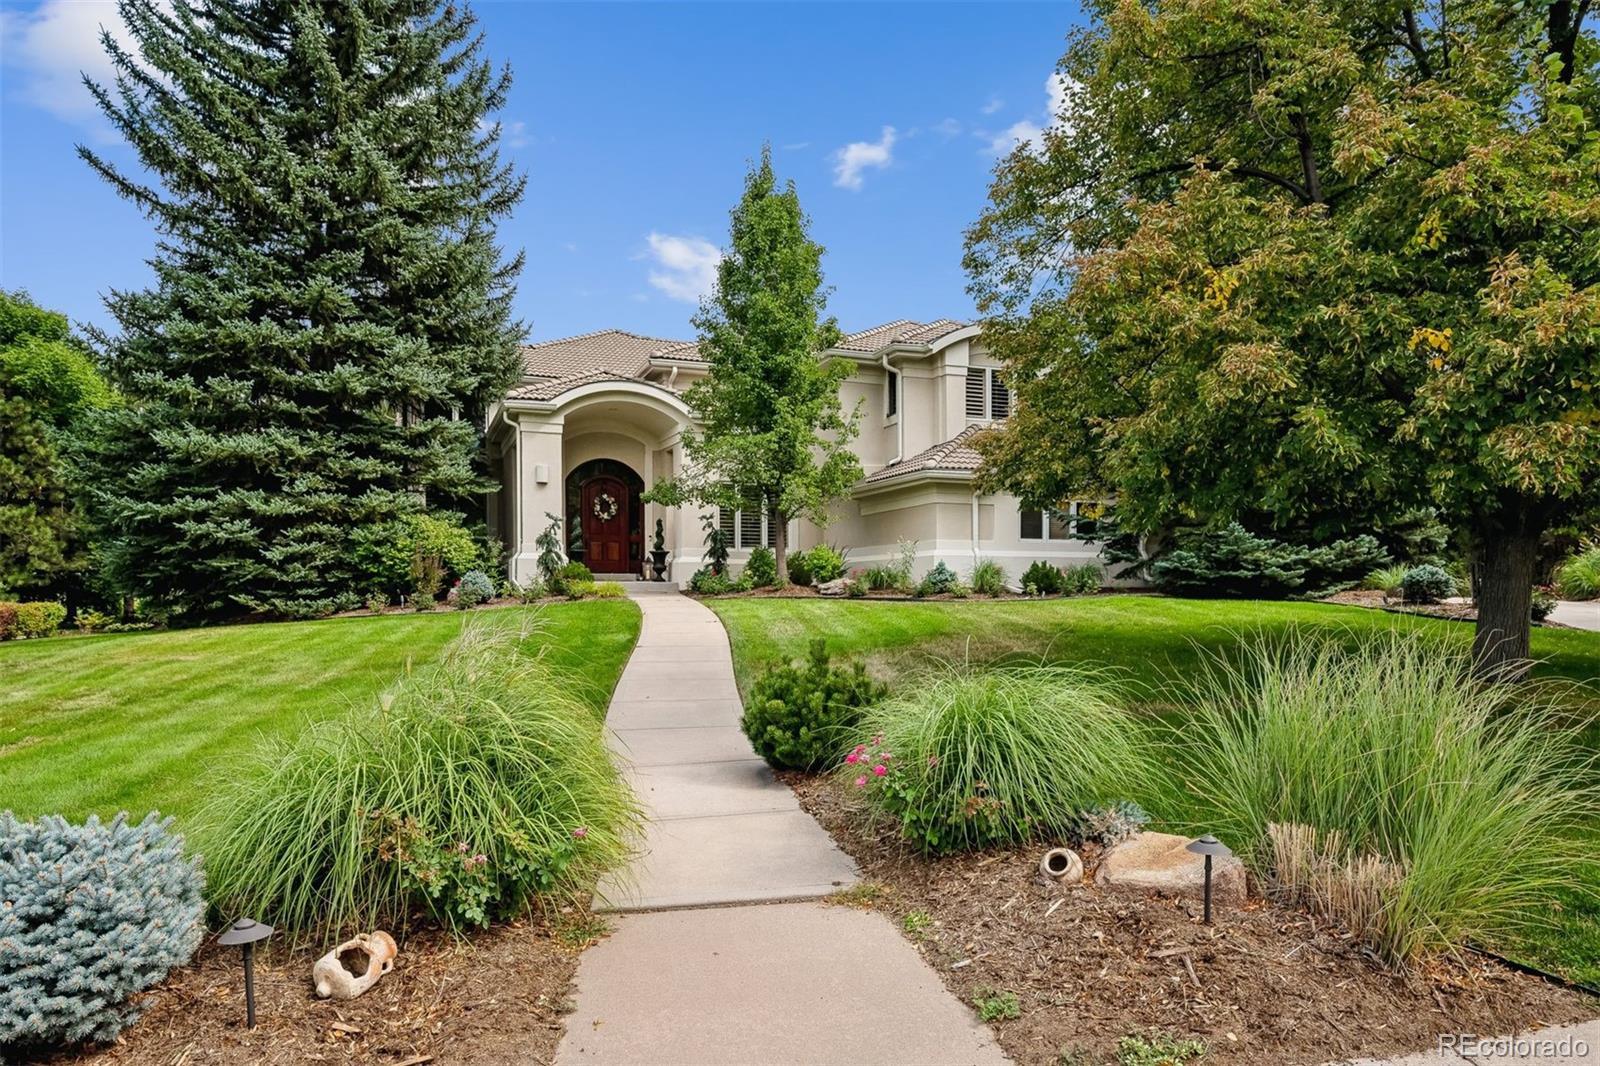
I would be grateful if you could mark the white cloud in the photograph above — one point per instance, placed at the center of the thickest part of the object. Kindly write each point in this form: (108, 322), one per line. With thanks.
(1027, 131)
(857, 156)
(796, 146)
(686, 266)
(994, 104)
(947, 128)
(55, 45)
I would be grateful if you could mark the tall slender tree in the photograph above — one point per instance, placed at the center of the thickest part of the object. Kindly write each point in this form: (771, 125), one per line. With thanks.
(330, 311)
(1313, 264)
(772, 429)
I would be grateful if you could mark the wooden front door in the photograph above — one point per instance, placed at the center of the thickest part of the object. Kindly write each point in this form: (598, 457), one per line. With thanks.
(605, 525)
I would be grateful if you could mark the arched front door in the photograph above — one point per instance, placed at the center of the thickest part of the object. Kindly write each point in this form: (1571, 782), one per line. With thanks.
(606, 525)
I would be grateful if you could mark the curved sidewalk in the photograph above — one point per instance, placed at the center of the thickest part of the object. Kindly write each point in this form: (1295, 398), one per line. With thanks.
(690, 977)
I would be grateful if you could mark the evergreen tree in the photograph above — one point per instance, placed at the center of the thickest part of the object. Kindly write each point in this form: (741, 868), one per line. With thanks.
(772, 428)
(330, 313)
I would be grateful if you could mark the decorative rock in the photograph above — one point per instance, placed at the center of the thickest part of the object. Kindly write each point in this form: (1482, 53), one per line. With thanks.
(1160, 863)
(836, 587)
(1062, 865)
(338, 974)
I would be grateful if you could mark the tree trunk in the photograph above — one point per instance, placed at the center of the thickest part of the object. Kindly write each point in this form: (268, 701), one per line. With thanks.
(1505, 599)
(780, 543)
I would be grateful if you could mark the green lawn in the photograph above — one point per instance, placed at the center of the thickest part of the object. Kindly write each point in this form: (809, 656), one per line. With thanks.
(1152, 639)
(138, 721)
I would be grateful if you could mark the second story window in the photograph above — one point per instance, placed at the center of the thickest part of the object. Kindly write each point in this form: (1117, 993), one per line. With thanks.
(891, 394)
(987, 395)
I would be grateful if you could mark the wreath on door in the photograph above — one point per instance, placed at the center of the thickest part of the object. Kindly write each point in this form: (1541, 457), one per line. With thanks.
(605, 507)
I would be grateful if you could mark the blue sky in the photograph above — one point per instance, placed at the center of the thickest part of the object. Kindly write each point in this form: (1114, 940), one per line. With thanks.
(634, 123)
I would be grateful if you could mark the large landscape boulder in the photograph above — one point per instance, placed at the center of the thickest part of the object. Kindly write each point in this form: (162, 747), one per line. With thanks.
(836, 587)
(1161, 863)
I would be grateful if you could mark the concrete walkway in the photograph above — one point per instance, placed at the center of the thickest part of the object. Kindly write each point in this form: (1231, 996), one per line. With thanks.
(687, 976)
(1578, 614)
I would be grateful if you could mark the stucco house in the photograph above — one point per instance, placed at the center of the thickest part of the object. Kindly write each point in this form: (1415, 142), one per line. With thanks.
(596, 419)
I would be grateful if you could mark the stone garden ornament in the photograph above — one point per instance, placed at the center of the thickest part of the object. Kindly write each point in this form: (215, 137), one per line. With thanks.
(354, 966)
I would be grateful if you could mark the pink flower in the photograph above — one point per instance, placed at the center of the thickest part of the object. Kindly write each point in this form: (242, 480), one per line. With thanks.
(933, 760)
(852, 758)
(880, 770)
(579, 833)
(861, 782)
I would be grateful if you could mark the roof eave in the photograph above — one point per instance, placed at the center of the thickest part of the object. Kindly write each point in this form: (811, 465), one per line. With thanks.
(909, 477)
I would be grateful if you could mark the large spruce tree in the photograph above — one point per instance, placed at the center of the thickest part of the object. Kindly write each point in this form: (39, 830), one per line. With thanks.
(330, 312)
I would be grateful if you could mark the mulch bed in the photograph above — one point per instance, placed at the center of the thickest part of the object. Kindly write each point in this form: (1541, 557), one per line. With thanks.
(1376, 598)
(496, 998)
(1264, 986)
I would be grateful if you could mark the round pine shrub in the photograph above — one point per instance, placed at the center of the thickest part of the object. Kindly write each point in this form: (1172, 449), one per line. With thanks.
(475, 784)
(800, 716)
(1043, 578)
(91, 915)
(969, 758)
(939, 580)
(1544, 601)
(475, 588)
(762, 568)
(1427, 584)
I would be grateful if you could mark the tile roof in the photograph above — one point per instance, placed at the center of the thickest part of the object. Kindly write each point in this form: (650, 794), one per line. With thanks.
(955, 454)
(606, 349)
(900, 331)
(550, 388)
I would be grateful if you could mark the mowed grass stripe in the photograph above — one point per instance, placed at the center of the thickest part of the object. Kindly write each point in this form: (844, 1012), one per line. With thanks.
(146, 720)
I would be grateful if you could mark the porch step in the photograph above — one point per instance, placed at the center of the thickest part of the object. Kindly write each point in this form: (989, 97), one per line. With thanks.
(615, 577)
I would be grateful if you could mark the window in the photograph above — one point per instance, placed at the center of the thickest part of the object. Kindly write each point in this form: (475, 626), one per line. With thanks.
(747, 527)
(891, 394)
(1078, 520)
(987, 395)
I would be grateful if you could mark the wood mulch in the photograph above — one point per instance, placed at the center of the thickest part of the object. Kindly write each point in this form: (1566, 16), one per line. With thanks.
(1263, 986)
(494, 999)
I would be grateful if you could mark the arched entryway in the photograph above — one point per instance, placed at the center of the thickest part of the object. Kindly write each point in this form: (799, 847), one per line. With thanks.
(604, 517)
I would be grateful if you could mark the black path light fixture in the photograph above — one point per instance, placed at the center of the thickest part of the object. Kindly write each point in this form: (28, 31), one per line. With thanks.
(1208, 846)
(246, 932)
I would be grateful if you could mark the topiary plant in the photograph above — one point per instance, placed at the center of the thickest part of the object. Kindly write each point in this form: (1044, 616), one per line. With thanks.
(92, 914)
(475, 588)
(1427, 584)
(799, 715)
(938, 580)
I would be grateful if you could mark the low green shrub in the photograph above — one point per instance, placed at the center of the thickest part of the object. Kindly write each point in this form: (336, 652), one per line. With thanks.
(93, 914)
(579, 590)
(1231, 561)
(1579, 577)
(1042, 579)
(761, 568)
(1386, 579)
(90, 620)
(385, 553)
(609, 590)
(988, 578)
(996, 1005)
(1427, 584)
(1544, 601)
(1083, 579)
(474, 588)
(800, 569)
(707, 582)
(800, 715)
(969, 758)
(827, 563)
(1376, 781)
(527, 591)
(476, 783)
(32, 619)
(1158, 1049)
(376, 602)
(856, 589)
(938, 580)
(566, 574)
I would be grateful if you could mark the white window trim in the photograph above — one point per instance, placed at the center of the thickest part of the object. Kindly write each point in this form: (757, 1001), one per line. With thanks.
(738, 543)
(893, 383)
(990, 374)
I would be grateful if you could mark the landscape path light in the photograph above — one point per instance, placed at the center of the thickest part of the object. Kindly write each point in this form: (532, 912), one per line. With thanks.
(1208, 846)
(246, 932)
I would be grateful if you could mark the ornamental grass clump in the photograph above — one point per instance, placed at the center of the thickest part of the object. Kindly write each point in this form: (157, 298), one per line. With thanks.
(474, 785)
(1579, 577)
(1374, 780)
(968, 758)
(90, 915)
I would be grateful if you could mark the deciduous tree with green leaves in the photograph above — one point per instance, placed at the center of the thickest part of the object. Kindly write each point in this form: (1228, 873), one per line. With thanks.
(48, 383)
(1312, 266)
(330, 312)
(771, 426)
